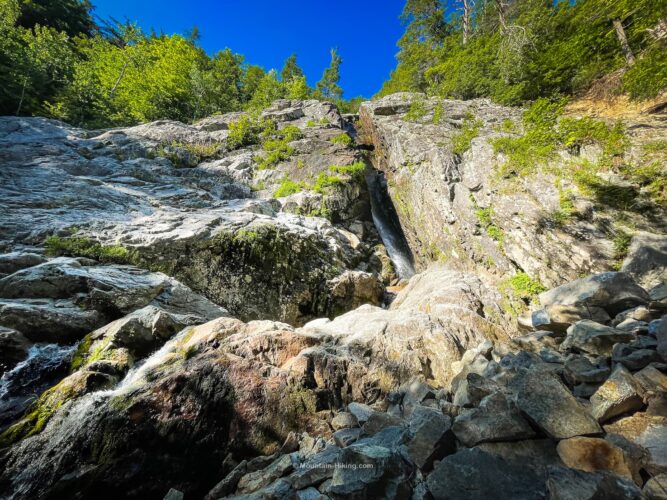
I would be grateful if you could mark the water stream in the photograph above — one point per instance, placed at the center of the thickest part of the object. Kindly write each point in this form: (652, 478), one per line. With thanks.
(387, 224)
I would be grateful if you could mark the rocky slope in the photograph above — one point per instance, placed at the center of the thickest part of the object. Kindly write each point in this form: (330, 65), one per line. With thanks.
(191, 310)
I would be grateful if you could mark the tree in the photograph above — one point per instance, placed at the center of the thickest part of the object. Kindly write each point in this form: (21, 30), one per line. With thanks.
(297, 88)
(290, 70)
(268, 90)
(328, 86)
(71, 16)
(252, 76)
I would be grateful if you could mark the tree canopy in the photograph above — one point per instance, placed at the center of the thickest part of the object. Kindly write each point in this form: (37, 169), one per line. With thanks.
(519, 50)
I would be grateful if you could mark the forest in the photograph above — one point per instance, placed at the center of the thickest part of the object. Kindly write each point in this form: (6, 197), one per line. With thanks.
(57, 60)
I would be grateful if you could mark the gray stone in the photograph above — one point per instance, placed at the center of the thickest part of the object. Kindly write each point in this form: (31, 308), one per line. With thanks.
(380, 420)
(550, 405)
(174, 494)
(650, 433)
(475, 388)
(568, 484)
(661, 335)
(430, 437)
(656, 488)
(360, 411)
(579, 369)
(613, 292)
(496, 419)
(632, 358)
(228, 484)
(13, 348)
(316, 469)
(621, 393)
(254, 481)
(346, 437)
(593, 338)
(472, 474)
(651, 379)
(343, 420)
(536, 452)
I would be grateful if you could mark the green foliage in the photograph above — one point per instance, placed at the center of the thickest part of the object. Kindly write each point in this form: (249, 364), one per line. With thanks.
(417, 110)
(246, 131)
(523, 286)
(328, 85)
(438, 114)
(540, 49)
(546, 132)
(290, 133)
(355, 170)
(276, 151)
(325, 181)
(288, 187)
(621, 242)
(461, 141)
(77, 246)
(343, 139)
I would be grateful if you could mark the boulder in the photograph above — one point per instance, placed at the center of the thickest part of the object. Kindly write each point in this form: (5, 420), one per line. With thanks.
(316, 469)
(15, 261)
(346, 437)
(648, 432)
(567, 484)
(651, 379)
(646, 260)
(579, 369)
(593, 455)
(496, 419)
(661, 335)
(593, 338)
(254, 481)
(612, 292)
(380, 420)
(430, 438)
(343, 420)
(537, 452)
(656, 488)
(620, 394)
(633, 358)
(13, 348)
(372, 472)
(551, 406)
(360, 411)
(228, 485)
(475, 388)
(472, 474)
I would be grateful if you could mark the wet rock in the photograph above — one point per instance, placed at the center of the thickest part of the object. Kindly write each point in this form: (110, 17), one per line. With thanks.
(567, 484)
(496, 419)
(174, 494)
(621, 393)
(612, 292)
(15, 261)
(656, 488)
(551, 406)
(343, 420)
(430, 437)
(473, 474)
(593, 455)
(650, 433)
(593, 338)
(13, 348)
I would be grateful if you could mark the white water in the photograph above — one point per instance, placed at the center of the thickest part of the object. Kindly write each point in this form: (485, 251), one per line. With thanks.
(389, 229)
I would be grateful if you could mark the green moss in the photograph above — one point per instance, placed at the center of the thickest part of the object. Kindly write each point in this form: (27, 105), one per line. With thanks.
(290, 133)
(461, 141)
(288, 187)
(77, 246)
(343, 139)
(485, 218)
(566, 209)
(311, 124)
(523, 286)
(81, 353)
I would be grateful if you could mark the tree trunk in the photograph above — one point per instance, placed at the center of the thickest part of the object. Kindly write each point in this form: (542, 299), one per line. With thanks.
(466, 20)
(623, 40)
(501, 15)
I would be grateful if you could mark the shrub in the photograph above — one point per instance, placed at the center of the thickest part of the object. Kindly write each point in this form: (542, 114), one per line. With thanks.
(438, 114)
(417, 110)
(288, 187)
(77, 246)
(290, 133)
(277, 150)
(325, 181)
(247, 130)
(355, 170)
(343, 139)
(470, 129)
(524, 286)
(648, 76)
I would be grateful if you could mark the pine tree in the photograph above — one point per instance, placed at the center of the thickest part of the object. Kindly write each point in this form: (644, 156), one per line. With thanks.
(328, 86)
(291, 70)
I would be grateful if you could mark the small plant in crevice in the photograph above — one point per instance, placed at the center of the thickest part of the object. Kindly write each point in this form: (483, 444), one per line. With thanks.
(462, 140)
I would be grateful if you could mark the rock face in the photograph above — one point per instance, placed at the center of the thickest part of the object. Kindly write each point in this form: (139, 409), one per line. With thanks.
(134, 364)
(209, 226)
(438, 193)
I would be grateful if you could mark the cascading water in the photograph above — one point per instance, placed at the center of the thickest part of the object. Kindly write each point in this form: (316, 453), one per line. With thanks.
(386, 222)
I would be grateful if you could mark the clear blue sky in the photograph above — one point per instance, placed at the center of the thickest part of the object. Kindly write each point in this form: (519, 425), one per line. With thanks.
(266, 32)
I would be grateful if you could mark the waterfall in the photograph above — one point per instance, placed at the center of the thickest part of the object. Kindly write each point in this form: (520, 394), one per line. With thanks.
(387, 224)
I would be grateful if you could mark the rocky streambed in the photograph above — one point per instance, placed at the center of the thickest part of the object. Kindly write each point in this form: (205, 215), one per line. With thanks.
(185, 312)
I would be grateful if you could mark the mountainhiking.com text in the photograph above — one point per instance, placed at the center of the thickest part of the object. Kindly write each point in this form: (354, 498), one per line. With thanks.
(336, 465)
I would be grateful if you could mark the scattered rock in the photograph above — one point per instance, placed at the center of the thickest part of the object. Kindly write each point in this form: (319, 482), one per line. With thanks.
(656, 488)
(496, 419)
(650, 433)
(343, 420)
(593, 455)
(550, 405)
(621, 393)
(593, 338)
(568, 484)
(431, 437)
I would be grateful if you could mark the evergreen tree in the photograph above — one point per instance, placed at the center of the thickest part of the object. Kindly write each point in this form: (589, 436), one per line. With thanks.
(291, 70)
(328, 86)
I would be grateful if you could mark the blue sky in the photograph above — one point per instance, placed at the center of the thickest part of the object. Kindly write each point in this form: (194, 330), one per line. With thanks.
(266, 32)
